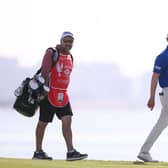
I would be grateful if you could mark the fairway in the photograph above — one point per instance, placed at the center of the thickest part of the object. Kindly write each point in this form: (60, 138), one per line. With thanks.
(27, 163)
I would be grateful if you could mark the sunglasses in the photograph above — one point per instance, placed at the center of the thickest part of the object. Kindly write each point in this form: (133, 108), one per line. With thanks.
(68, 40)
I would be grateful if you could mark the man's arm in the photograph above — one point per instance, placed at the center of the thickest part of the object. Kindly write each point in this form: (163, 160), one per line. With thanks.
(47, 65)
(154, 81)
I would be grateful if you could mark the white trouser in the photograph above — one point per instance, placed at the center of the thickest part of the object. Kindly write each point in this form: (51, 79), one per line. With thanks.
(160, 125)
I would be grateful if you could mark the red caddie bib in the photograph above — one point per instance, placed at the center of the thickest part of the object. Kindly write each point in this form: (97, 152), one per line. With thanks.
(59, 81)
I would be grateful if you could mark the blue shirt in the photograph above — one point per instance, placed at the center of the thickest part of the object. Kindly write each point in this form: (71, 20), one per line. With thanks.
(161, 67)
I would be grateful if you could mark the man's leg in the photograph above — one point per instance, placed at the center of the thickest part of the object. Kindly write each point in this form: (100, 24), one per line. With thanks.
(159, 126)
(72, 154)
(40, 130)
(152, 137)
(67, 131)
(39, 153)
(156, 131)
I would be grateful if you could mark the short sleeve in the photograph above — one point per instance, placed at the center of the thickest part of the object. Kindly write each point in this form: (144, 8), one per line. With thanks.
(160, 64)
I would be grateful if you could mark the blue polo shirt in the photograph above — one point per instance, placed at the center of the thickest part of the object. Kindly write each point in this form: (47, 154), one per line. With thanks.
(161, 67)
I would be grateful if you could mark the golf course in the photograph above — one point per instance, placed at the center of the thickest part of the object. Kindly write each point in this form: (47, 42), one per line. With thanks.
(28, 163)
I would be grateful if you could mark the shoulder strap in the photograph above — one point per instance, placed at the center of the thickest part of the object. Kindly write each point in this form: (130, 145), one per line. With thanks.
(54, 58)
(55, 55)
(72, 58)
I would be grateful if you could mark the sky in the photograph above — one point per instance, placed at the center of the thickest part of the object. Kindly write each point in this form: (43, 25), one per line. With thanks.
(129, 33)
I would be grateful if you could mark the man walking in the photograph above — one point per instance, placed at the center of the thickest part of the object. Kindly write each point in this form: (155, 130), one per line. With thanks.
(160, 74)
(57, 77)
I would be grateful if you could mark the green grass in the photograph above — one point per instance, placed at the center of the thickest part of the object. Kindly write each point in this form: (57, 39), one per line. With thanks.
(27, 163)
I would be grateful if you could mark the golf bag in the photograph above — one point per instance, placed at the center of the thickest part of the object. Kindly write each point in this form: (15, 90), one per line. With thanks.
(32, 91)
(29, 94)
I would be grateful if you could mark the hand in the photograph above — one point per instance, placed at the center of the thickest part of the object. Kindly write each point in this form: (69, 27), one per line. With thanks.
(151, 103)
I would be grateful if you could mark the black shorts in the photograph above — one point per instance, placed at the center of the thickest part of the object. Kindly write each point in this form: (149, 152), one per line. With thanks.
(47, 111)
